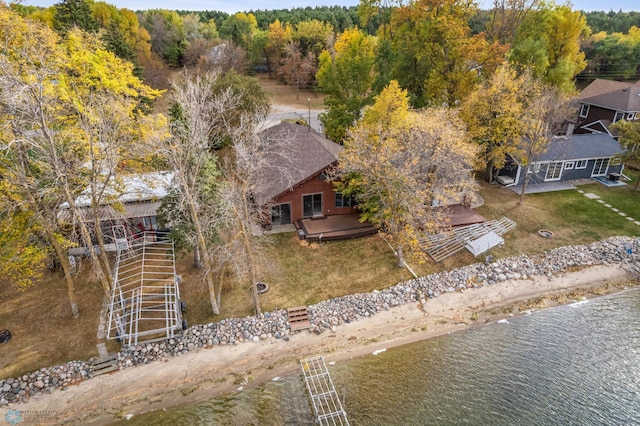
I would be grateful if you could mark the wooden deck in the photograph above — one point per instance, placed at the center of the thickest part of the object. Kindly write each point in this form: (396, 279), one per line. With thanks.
(337, 227)
(460, 215)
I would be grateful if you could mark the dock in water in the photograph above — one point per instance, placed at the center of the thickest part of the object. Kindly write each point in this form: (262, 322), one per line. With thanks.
(326, 404)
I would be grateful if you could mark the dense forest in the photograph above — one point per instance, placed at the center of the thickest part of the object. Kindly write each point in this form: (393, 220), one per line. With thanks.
(154, 39)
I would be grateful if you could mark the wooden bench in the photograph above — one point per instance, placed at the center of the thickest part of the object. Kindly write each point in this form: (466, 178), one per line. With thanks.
(298, 318)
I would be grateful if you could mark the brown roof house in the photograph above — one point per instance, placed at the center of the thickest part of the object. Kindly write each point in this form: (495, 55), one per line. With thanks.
(604, 102)
(295, 187)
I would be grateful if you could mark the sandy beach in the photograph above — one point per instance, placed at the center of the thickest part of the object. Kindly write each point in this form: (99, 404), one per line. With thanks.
(205, 373)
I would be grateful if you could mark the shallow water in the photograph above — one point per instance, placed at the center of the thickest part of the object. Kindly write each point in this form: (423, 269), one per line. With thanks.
(576, 364)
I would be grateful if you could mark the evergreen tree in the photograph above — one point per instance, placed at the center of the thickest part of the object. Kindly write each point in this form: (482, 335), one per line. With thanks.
(74, 13)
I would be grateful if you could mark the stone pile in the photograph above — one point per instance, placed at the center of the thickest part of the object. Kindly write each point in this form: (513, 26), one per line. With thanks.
(45, 380)
(331, 313)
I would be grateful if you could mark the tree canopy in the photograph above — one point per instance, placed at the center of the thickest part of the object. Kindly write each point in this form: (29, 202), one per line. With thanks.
(394, 163)
(347, 76)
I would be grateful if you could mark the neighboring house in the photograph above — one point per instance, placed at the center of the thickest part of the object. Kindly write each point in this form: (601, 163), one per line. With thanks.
(567, 158)
(130, 211)
(604, 102)
(295, 185)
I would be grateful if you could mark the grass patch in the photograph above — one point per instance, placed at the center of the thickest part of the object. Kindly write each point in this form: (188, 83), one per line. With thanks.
(573, 218)
(43, 331)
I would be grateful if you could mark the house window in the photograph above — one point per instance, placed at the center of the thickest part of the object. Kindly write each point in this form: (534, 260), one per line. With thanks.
(619, 116)
(345, 200)
(281, 214)
(630, 116)
(600, 167)
(584, 110)
(534, 168)
(581, 164)
(312, 205)
(569, 165)
(554, 170)
(149, 222)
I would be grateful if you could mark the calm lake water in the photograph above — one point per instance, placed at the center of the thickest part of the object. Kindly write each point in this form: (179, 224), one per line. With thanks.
(572, 365)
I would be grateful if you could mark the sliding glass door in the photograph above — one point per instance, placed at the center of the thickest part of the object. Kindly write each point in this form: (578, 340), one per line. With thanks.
(312, 205)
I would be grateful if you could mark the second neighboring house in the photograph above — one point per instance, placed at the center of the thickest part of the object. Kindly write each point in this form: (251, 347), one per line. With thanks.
(131, 211)
(603, 102)
(295, 185)
(567, 158)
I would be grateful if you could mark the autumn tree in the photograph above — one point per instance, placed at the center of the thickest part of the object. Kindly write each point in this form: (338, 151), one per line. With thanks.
(615, 55)
(278, 37)
(22, 253)
(258, 158)
(506, 17)
(493, 115)
(435, 57)
(399, 163)
(629, 138)
(166, 31)
(312, 36)
(239, 28)
(297, 70)
(548, 42)
(122, 34)
(197, 52)
(75, 100)
(347, 76)
(546, 112)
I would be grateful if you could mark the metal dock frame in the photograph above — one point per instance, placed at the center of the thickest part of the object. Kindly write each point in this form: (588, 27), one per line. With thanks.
(326, 404)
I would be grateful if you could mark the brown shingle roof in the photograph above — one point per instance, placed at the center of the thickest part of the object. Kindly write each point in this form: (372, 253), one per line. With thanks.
(614, 95)
(301, 153)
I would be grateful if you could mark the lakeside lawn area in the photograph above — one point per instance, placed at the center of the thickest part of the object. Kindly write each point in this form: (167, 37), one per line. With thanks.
(44, 333)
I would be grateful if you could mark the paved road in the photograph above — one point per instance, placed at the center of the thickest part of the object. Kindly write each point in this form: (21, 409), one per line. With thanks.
(280, 113)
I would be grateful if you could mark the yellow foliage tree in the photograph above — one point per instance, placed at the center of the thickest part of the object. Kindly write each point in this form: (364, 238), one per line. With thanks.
(69, 111)
(399, 163)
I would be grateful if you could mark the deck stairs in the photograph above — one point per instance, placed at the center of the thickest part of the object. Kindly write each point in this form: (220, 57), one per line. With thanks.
(298, 318)
(442, 245)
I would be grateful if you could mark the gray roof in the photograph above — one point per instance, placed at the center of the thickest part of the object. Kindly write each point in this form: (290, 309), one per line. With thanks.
(581, 147)
(614, 95)
(301, 153)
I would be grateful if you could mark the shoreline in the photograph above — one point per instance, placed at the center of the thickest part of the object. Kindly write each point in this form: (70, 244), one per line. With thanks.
(207, 373)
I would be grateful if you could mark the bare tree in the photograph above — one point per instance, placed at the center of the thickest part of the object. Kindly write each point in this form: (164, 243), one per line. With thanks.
(297, 70)
(198, 125)
(507, 15)
(197, 51)
(225, 57)
(260, 159)
(546, 112)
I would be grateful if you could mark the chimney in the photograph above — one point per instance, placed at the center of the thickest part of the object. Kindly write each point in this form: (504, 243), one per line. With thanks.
(570, 128)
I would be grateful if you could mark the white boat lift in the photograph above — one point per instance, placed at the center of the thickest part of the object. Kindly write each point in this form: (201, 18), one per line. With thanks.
(145, 301)
(326, 404)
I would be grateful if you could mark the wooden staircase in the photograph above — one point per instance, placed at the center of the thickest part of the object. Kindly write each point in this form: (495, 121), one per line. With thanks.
(298, 318)
(104, 365)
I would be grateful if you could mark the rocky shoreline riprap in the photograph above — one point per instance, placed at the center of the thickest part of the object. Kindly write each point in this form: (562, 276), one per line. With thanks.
(330, 313)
